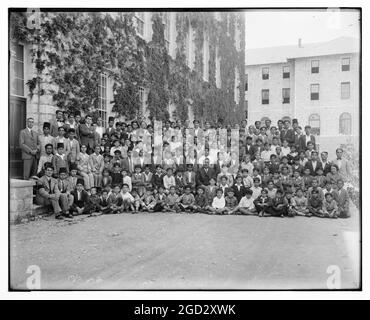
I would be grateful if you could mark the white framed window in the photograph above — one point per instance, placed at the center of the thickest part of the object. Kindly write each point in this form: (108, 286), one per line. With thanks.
(103, 98)
(314, 122)
(206, 58)
(237, 86)
(17, 69)
(315, 91)
(265, 73)
(286, 72)
(166, 18)
(346, 64)
(345, 90)
(345, 123)
(218, 69)
(140, 23)
(286, 95)
(315, 66)
(265, 95)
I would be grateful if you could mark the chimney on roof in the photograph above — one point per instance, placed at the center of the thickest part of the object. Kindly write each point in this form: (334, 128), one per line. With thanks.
(300, 43)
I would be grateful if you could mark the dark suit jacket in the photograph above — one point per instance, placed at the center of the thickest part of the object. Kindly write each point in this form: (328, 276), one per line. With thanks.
(203, 177)
(327, 168)
(28, 142)
(309, 166)
(251, 150)
(82, 202)
(303, 143)
(87, 135)
(287, 135)
(157, 181)
(185, 178)
(239, 193)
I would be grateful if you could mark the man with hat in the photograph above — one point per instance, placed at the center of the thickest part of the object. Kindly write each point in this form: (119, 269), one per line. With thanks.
(87, 134)
(45, 138)
(48, 192)
(60, 159)
(65, 189)
(80, 199)
(46, 158)
(58, 122)
(28, 142)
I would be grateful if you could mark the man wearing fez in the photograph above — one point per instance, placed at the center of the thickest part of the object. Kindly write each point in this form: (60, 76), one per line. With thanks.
(45, 138)
(80, 199)
(48, 192)
(87, 134)
(110, 130)
(28, 142)
(58, 122)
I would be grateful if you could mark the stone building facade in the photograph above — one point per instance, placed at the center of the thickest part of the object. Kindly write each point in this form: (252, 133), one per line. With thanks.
(318, 84)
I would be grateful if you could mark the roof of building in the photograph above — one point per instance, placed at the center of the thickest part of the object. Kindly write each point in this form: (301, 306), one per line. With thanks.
(283, 53)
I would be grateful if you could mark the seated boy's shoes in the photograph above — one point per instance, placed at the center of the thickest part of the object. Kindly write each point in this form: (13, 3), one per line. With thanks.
(59, 216)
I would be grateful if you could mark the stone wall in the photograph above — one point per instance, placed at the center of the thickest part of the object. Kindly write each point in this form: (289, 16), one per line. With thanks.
(20, 205)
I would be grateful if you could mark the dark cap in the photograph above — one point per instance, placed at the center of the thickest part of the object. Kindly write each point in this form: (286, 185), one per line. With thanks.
(46, 125)
(60, 145)
(80, 181)
(62, 170)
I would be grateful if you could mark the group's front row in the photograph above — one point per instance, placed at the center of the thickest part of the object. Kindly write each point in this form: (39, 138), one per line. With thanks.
(68, 198)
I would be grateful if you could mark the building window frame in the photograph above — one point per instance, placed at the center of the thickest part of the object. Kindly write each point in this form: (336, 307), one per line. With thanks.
(345, 123)
(17, 80)
(265, 96)
(140, 23)
(345, 92)
(315, 93)
(286, 72)
(265, 73)
(286, 95)
(103, 97)
(315, 123)
(346, 66)
(315, 66)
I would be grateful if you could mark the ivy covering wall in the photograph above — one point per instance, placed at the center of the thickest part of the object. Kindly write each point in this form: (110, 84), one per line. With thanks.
(71, 50)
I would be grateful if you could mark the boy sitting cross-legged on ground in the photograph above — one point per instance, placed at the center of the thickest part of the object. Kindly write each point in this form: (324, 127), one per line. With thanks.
(330, 208)
(127, 198)
(148, 201)
(186, 201)
(115, 201)
(231, 202)
(315, 205)
(218, 203)
(262, 203)
(279, 205)
(160, 199)
(80, 200)
(246, 205)
(171, 200)
(104, 203)
(300, 208)
(201, 201)
(95, 202)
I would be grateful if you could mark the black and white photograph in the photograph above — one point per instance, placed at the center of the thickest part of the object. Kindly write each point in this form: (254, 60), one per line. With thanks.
(184, 148)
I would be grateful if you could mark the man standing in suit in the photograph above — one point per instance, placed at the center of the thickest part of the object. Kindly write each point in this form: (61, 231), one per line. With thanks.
(87, 134)
(287, 133)
(326, 165)
(249, 148)
(28, 141)
(313, 165)
(205, 173)
(305, 138)
(110, 130)
(342, 164)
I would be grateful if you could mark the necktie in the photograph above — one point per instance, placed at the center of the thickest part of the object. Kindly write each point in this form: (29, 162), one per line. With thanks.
(49, 186)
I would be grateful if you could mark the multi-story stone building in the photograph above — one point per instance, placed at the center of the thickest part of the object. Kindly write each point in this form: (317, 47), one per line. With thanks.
(212, 42)
(318, 84)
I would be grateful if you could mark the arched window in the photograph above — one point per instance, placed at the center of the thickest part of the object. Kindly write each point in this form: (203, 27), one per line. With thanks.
(345, 123)
(314, 122)
(263, 120)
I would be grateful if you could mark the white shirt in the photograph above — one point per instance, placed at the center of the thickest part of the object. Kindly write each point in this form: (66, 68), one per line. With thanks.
(246, 203)
(100, 131)
(256, 192)
(218, 203)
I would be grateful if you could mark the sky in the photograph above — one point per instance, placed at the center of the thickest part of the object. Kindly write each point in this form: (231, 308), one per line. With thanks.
(270, 28)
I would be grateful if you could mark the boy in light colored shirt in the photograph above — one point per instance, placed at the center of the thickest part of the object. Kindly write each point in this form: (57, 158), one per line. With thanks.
(218, 203)
(246, 205)
(256, 189)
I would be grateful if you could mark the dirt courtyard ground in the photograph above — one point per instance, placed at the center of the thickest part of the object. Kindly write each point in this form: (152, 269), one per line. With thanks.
(185, 251)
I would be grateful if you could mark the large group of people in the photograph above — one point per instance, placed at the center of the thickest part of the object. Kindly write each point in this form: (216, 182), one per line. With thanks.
(83, 167)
